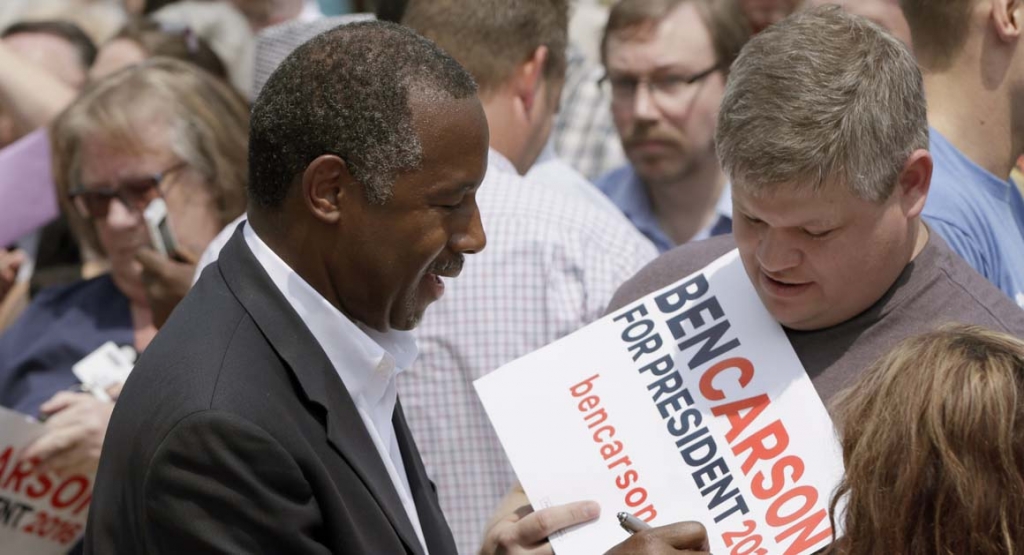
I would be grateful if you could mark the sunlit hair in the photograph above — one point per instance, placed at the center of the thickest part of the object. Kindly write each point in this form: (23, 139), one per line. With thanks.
(933, 442)
(207, 126)
(723, 19)
(822, 98)
(172, 40)
(347, 92)
(490, 38)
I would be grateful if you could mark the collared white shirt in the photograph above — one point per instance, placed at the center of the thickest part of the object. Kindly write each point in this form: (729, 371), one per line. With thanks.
(552, 263)
(367, 361)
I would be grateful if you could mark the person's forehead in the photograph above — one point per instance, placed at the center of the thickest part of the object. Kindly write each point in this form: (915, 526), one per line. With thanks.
(788, 205)
(443, 123)
(680, 38)
(108, 156)
(450, 132)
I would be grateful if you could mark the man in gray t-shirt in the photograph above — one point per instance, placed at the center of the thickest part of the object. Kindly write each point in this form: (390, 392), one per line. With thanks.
(830, 170)
(937, 287)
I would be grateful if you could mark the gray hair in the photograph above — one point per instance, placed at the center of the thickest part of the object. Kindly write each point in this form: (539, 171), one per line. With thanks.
(346, 92)
(822, 97)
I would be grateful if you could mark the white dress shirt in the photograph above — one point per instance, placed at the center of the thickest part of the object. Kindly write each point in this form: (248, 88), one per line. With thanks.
(366, 360)
(554, 258)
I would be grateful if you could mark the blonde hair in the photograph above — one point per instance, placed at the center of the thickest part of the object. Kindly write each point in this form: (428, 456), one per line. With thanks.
(822, 98)
(933, 442)
(208, 125)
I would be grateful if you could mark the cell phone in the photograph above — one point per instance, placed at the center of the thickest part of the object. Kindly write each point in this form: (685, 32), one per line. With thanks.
(159, 228)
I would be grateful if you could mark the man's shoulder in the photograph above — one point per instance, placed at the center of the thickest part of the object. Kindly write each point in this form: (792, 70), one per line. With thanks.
(208, 341)
(614, 179)
(671, 267)
(962, 194)
(554, 211)
(962, 295)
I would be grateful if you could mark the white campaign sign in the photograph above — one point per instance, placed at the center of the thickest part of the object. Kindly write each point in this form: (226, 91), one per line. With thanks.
(40, 514)
(689, 404)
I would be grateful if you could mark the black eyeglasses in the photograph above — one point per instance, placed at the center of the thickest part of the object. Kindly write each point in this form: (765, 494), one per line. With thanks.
(665, 90)
(134, 193)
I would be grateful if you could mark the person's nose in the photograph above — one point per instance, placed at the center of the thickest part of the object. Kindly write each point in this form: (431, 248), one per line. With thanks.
(471, 239)
(777, 253)
(120, 216)
(645, 107)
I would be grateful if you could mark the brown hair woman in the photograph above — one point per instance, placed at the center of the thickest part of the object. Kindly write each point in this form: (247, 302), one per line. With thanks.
(933, 442)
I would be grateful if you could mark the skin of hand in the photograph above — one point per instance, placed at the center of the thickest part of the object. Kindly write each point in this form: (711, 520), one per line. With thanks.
(516, 529)
(10, 262)
(30, 94)
(681, 538)
(75, 426)
(166, 280)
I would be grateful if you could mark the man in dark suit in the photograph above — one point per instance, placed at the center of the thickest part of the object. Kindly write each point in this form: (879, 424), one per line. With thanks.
(264, 417)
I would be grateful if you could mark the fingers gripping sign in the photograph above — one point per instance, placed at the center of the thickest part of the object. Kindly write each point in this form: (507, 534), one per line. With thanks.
(74, 434)
(517, 529)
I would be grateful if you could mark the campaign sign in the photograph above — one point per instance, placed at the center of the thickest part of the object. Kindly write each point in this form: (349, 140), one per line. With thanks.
(689, 404)
(40, 513)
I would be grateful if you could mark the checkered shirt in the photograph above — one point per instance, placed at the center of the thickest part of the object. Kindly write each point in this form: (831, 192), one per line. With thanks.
(584, 133)
(552, 262)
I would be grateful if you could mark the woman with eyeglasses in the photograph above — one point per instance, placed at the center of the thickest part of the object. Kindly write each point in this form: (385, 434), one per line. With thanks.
(161, 132)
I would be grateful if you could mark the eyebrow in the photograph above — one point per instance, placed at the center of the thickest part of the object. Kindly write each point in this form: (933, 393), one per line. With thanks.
(664, 68)
(810, 223)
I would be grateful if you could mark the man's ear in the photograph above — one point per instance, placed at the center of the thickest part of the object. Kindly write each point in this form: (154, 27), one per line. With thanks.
(529, 76)
(1008, 19)
(326, 183)
(914, 181)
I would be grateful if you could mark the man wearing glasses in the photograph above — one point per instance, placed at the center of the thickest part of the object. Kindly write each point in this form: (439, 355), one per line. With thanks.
(666, 63)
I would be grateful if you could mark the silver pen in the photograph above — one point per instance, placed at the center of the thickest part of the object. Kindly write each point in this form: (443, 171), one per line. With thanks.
(631, 523)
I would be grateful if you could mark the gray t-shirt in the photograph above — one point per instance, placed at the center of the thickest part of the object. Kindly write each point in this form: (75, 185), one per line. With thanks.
(936, 288)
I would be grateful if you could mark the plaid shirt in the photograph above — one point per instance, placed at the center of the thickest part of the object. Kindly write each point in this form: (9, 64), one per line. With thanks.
(584, 133)
(552, 262)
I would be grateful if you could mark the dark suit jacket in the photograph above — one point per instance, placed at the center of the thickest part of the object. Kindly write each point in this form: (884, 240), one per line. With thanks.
(234, 434)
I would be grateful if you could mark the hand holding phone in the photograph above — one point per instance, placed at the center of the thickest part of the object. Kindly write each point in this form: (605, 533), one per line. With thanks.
(159, 228)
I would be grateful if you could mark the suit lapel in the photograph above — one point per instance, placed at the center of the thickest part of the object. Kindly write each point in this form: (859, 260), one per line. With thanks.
(435, 528)
(295, 344)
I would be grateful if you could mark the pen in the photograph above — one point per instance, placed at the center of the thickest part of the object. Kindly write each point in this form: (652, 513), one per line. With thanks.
(631, 523)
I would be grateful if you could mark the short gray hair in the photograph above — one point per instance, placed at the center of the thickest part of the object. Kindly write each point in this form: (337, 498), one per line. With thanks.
(822, 97)
(346, 92)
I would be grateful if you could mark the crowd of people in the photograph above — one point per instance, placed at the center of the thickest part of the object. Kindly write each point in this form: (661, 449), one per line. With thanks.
(364, 213)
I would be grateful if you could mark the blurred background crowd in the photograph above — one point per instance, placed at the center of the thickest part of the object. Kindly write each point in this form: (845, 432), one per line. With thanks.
(109, 105)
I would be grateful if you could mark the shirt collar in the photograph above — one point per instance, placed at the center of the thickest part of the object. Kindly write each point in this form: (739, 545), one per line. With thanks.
(498, 162)
(365, 359)
(625, 189)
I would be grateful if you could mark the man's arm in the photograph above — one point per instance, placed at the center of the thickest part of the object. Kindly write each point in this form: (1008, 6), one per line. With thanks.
(29, 93)
(221, 484)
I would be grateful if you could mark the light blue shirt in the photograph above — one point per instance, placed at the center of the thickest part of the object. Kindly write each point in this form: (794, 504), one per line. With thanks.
(979, 215)
(624, 188)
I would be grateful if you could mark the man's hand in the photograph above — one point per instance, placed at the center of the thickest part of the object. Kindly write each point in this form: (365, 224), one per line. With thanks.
(682, 538)
(517, 529)
(167, 281)
(73, 440)
(10, 263)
